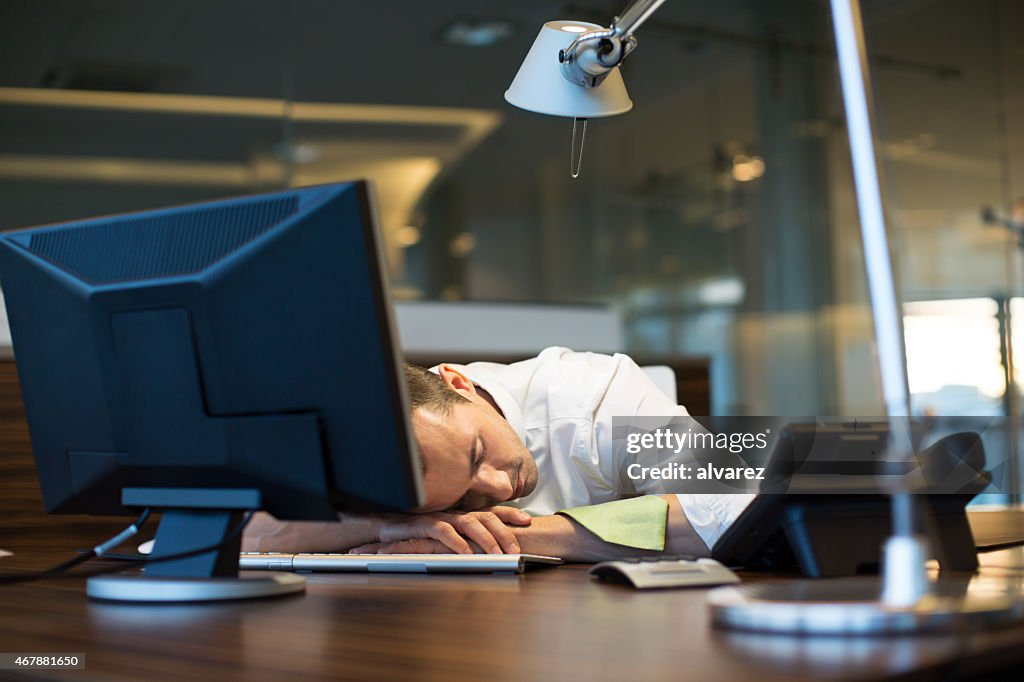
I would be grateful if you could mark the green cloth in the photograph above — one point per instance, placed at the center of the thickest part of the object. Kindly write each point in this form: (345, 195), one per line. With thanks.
(638, 522)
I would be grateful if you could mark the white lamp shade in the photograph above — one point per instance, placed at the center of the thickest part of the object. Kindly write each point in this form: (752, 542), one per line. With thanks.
(540, 86)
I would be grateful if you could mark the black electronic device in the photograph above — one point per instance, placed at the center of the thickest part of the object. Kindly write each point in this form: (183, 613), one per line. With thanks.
(208, 360)
(840, 534)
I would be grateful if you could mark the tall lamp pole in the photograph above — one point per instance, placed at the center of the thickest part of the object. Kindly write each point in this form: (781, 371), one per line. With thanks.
(905, 578)
(905, 603)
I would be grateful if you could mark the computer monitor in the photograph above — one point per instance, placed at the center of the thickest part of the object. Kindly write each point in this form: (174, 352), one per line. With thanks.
(209, 359)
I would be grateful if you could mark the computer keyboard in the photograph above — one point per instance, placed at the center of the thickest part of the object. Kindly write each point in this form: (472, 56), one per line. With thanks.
(664, 571)
(394, 563)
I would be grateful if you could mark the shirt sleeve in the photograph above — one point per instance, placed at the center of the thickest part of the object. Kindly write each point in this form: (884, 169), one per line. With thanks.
(631, 393)
(711, 515)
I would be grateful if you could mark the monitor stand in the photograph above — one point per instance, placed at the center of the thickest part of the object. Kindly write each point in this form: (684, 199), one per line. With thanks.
(193, 519)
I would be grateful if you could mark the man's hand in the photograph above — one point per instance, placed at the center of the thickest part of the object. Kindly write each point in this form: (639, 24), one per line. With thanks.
(449, 532)
(560, 536)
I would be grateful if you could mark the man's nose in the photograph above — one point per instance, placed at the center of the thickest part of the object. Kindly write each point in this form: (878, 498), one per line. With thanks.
(494, 483)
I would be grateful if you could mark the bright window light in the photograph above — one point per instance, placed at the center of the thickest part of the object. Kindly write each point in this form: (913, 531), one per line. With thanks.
(953, 359)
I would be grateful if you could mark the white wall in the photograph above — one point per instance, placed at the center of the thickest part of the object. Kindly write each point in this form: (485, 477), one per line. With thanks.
(487, 328)
(498, 328)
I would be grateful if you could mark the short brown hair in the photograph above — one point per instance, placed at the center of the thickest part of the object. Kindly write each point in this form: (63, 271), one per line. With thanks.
(429, 390)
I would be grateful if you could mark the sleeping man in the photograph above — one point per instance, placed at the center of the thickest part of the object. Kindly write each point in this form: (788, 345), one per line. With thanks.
(520, 458)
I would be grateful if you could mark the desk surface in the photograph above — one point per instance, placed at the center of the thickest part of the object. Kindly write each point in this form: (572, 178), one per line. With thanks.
(547, 625)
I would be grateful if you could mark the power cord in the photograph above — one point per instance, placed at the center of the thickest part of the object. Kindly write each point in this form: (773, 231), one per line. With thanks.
(231, 537)
(60, 571)
(98, 550)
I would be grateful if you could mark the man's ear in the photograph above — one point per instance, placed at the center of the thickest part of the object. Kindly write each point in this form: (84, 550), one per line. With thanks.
(456, 380)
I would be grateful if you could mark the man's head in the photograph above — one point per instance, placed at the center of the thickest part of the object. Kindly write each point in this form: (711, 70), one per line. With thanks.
(472, 457)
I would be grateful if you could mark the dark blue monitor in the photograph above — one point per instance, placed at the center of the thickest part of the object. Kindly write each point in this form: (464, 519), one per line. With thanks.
(237, 346)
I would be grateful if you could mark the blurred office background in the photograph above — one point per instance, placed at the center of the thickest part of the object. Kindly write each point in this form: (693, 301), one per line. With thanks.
(715, 220)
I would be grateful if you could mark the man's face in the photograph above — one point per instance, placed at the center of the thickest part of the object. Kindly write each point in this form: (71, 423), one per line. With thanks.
(473, 457)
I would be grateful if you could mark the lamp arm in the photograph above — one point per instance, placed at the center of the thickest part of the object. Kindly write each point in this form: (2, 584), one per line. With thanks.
(633, 16)
(593, 55)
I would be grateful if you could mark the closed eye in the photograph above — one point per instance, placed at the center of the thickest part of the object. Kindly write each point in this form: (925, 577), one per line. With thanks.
(476, 458)
(481, 453)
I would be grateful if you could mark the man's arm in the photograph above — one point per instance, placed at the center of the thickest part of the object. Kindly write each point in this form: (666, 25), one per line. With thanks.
(491, 530)
(266, 534)
(560, 536)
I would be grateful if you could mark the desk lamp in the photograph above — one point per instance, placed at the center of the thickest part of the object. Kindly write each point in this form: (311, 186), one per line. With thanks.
(581, 79)
(572, 70)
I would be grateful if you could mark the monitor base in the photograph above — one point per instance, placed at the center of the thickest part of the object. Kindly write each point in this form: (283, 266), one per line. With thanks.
(143, 588)
(851, 606)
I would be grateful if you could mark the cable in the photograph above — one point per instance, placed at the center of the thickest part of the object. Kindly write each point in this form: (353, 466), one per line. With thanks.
(96, 551)
(170, 557)
(135, 556)
(60, 571)
(195, 552)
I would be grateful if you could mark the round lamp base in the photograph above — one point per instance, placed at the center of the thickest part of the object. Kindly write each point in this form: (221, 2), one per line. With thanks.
(851, 606)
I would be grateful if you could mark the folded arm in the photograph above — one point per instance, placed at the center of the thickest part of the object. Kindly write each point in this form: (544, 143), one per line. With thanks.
(560, 536)
(460, 532)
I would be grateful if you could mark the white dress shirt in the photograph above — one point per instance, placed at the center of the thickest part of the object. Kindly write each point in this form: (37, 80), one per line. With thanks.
(561, 405)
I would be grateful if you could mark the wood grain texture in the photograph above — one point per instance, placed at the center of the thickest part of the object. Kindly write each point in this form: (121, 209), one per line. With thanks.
(554, 624)
(996, 528)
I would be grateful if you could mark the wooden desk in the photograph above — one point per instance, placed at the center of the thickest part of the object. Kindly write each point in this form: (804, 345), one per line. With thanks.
(554, 624)
(995, 528)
